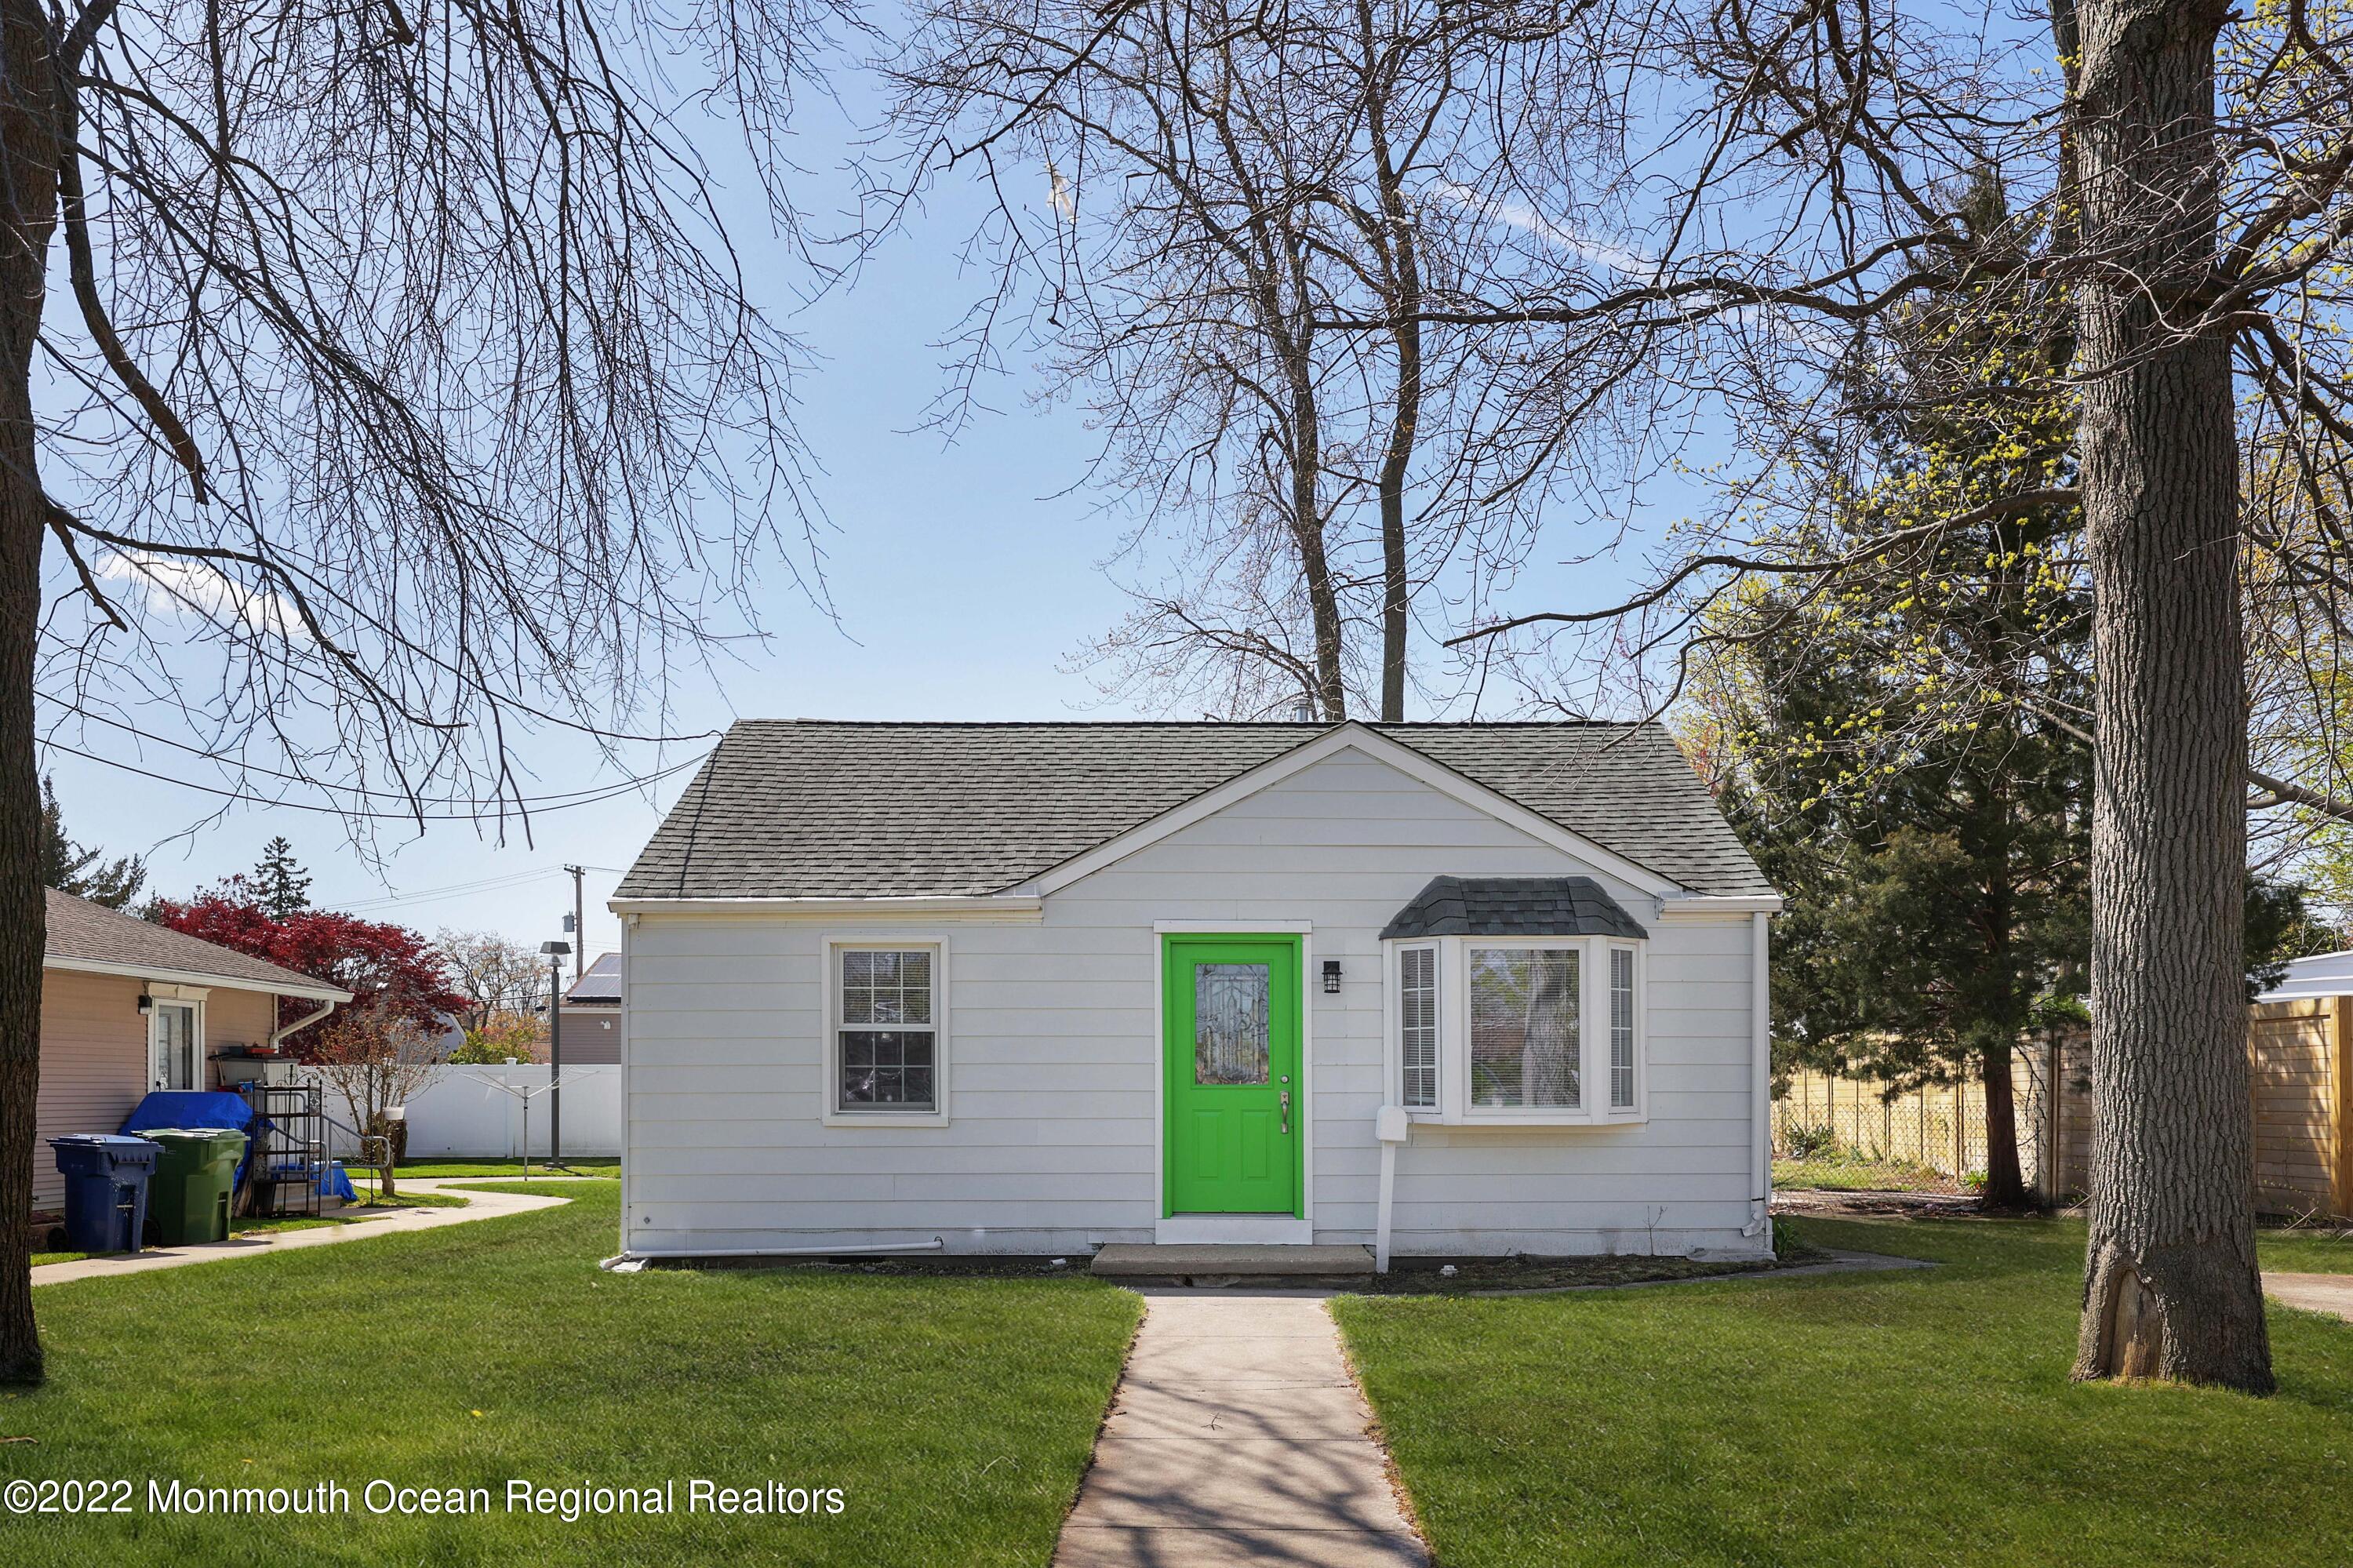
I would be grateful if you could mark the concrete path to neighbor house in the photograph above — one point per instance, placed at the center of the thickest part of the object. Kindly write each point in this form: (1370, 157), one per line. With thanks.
(1237, 1437)
(2314, 1292)
(478, 1206)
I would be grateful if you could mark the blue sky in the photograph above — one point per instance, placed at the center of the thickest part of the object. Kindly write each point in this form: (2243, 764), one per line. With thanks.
(963, 574)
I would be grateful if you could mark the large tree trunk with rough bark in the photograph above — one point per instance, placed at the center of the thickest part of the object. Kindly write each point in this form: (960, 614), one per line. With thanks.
(2171, 1286)
(28, 155)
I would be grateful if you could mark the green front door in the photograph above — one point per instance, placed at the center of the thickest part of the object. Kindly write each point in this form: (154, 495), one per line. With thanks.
(1231, 1011)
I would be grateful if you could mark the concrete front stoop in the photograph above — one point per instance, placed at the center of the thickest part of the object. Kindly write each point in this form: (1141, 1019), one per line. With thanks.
(1132, 1260)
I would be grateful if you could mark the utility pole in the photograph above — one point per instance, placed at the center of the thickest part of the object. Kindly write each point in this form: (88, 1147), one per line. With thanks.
(555, 952)
(579, 920)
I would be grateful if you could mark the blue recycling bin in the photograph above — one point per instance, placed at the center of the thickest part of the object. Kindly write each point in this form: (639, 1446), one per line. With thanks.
(106, 1189)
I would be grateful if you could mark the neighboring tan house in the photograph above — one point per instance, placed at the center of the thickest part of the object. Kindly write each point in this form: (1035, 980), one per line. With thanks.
(128, 1007)
(1034, 987)
(592, 1015)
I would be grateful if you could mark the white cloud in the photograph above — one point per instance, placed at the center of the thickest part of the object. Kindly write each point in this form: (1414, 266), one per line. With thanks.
(176, 586)
(1621, 259)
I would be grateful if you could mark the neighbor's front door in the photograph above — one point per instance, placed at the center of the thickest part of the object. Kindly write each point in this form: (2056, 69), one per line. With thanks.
(172, 1046)
(1235, 1101)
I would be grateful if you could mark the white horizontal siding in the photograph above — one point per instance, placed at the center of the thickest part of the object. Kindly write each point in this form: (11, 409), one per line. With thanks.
(1054, 1059)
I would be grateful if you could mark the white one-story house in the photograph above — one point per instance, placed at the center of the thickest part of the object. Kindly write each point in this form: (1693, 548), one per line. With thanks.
(1031, 988)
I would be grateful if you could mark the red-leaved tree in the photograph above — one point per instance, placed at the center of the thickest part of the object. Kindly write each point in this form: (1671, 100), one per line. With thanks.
(391, 971)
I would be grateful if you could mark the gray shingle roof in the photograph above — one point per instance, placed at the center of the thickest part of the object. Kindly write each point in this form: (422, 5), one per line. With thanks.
(91, 933)
(1513, 906)
(816, 808)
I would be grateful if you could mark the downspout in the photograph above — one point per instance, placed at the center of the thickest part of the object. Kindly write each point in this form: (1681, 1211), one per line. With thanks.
(1760, 1115)
(277, 1036)
(628, 1039)
(1392, 1128)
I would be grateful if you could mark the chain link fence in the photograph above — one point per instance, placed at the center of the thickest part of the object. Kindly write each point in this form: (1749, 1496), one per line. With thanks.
(1932, 1137)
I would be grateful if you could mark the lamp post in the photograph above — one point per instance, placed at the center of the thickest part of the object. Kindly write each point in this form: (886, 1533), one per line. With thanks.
(555, 952)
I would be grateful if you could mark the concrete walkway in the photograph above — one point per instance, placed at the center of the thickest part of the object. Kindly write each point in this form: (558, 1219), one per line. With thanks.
(2331, 1293)
(478, 1206)
(1237, 1437)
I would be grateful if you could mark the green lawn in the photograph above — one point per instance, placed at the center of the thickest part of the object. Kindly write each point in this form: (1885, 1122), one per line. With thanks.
(507, 1168)
(2307, 1249)
(1921, 1418)
(955, 1415)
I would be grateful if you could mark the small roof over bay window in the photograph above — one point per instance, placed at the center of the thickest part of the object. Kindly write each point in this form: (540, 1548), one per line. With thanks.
(1513, 906)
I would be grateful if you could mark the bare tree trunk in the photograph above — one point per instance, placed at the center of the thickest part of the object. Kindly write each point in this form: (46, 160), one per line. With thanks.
(2005, 1186)
(1398, 247)
(28, 188)
(2171, 1286)
(1307, 535)
(1396, 591)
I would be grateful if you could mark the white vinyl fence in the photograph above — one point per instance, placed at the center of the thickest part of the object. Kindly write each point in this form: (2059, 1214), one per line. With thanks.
(477, 1113)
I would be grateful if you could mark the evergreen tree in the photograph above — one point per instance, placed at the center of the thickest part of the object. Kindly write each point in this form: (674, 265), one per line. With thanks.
(1900, 752)
(281, 885)
(81, 871)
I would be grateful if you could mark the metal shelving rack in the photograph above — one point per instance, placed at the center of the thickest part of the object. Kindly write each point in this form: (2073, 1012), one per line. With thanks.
(290, 1155)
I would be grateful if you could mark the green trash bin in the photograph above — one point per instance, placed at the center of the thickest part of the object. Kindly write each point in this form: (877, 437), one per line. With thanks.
(188, 1196)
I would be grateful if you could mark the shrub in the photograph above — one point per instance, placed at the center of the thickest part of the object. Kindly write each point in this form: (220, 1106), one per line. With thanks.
(1809, 1142)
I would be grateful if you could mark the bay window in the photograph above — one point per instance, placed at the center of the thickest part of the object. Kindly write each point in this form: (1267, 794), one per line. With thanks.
(1517, 1000)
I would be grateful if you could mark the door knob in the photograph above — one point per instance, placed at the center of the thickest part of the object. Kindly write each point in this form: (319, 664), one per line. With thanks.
(1286, 1113)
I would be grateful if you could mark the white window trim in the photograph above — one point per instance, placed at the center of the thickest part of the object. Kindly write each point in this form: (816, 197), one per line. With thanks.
(828, 1027)
(193, 998)
(1454, 1107)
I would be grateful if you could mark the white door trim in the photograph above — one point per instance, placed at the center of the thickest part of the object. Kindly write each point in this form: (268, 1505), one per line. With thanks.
(195, 1007)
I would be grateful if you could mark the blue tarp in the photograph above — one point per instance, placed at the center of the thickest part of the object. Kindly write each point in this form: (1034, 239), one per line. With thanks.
(195, 1109)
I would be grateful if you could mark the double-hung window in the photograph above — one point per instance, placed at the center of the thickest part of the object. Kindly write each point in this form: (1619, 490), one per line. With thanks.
(1417, 991)
(888, 1059)
(1621, 1028)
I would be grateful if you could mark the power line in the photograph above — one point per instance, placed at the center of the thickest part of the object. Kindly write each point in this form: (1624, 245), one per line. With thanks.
(456, 890)
(496, 810)
(599, 792)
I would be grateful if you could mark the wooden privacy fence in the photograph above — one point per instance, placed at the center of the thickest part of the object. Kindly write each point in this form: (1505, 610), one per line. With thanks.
(1939, 1126)
(2299, 1054)
(2300, 1083)
(2300, 1086)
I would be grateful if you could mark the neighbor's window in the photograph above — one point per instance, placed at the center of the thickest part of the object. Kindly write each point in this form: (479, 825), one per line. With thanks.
(888, 1030)
(1622, 1029)
(1524, 1036)
(1418, 1026)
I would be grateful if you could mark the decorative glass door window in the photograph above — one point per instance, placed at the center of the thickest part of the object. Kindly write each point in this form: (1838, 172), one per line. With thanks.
(172, 1046)
(1231, 1011)
(888, 1032)
(1524, 1027)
